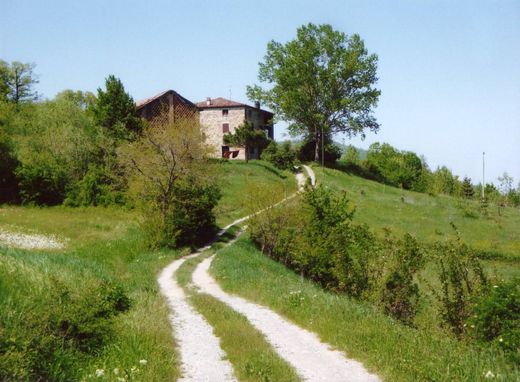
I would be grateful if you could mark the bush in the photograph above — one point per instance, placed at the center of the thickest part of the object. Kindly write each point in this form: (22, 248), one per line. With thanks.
(306, 152)
(496, 318)
(98, 187)
(316, 237)
(283, 156)
(45, 335)
(172, 181)
(462, 279)
(400, 293)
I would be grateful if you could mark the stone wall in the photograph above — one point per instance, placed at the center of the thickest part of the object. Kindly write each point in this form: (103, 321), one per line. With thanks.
(212, 121)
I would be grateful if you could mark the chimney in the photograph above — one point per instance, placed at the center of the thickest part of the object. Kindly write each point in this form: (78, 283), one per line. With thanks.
(208, 101)
(257, 104)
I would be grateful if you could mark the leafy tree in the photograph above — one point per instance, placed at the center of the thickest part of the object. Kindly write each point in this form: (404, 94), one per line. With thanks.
(16, 81)
(115, 111)
(398, 168)
(54, 147)
(8, 161)
(351, 155)
(467, 188)
(248, 137)
(331, 152)
(85, 100)
(173, 181)
(322, 82)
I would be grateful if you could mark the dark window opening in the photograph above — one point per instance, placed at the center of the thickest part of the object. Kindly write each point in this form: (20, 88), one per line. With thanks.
(225, 112)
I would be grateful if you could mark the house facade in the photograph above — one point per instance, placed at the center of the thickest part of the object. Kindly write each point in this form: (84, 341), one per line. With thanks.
(217, 117)
(220, 116)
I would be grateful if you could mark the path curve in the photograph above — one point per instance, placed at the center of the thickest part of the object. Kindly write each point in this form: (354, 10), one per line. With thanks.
(312, 359)
(202, 358)
(310, 174)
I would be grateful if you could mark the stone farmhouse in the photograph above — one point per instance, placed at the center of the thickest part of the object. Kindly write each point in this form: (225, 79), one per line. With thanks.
(217, 116)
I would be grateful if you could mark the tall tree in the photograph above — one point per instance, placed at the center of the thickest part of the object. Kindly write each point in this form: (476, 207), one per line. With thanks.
(115, 110)
(322, 82)
(173, 180)
(16, 81)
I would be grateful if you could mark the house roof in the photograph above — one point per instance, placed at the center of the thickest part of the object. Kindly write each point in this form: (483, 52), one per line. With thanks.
(139, 104)
(220, 102)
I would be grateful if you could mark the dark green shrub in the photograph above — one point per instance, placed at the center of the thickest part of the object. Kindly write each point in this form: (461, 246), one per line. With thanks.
(283, 156)
(45, 332)
(306, 152)
(400, 292)
(462, 279)
(189, 217)
(496, 318)
(98, 187)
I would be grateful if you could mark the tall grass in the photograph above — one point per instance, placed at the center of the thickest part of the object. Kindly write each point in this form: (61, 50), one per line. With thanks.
(392, 350)
(39, 287)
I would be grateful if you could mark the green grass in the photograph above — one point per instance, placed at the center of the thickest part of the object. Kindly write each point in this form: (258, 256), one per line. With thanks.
(238, 182)
(427, 217)
(252, 357)
(386, 347)
(79, 226)
(105, 245)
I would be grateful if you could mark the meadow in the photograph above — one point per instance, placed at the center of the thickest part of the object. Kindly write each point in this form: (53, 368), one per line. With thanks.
(50, 299)
(389, 209)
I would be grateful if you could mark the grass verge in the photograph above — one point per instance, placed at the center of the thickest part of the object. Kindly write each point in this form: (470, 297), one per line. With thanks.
(393, 351)
(252, 357)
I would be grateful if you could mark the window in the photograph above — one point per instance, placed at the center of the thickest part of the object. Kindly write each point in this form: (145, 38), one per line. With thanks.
(225, 128)
(225, 151)
(225, 112)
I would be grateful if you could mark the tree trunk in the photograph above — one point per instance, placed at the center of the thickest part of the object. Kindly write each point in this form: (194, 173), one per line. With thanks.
(317, 148)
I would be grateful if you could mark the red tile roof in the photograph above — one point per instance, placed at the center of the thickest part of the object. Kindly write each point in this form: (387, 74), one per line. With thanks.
(222, 103)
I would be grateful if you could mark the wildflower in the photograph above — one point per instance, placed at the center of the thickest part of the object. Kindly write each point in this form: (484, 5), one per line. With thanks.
(100, 373)
(143, 362)
(495, 286)
(489, 375)
(116, 371)
(500, 340)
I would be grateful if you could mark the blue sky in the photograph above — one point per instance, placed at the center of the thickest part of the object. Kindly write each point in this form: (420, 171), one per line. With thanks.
(449, 71)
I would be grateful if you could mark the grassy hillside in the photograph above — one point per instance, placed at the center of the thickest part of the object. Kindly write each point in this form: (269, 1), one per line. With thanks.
(238, 181)
(427, 217)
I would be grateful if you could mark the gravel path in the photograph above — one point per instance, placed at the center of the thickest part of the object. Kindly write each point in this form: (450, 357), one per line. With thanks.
(29, 241)
(202, 359)
(312, 359)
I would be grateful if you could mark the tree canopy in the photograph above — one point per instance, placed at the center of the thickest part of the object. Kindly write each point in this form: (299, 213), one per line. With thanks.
(248, 137)
(322, 82)
(115, 110)
(16, 81)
